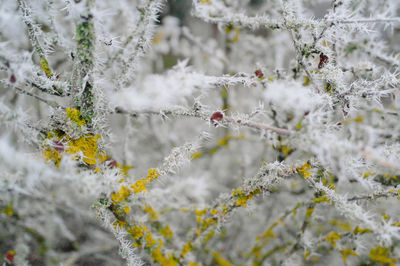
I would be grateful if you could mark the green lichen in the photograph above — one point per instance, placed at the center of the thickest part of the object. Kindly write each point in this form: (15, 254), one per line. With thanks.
(85, 38)
(85, 44)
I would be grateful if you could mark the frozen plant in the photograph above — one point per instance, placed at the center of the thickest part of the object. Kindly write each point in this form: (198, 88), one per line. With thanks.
(251, 132)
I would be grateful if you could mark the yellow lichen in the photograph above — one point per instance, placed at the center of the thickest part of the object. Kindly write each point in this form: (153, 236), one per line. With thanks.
(220, 260)
(381, 254)
(360, 231)
(163, 260)
(121, 195)
(124, 168)
(205, 224)
(343, 226)
(243, 198)
(208, 236)
(86, 146)
(45, 67)
(304, 170)
(309, 212)
(150, 241)
(225, 140)
(119, 224)
(137, 231)
(127, 209)
(153, 214)
(332, 237)
(166, 232)
(331, 186)
(321, 199)
(8, 210)
(196, 155)
(367, 174)
(140, 185)
(306, 254)
(346, 252)
(385, 217)
(75, 115)
(214, 212)
(357, 119)
(186, 248)
(268, 234)
(286, 150)
(53, 155)
(306, 81)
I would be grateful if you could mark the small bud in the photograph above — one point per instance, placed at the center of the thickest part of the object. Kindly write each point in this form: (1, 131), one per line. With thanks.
(111, 163)
(216, 118)
(12, 78)
(259, 73)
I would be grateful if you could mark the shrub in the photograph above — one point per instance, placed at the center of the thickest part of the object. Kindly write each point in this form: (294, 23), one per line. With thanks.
(247, 133)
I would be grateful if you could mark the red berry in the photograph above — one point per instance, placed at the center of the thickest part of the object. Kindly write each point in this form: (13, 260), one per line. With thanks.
(323, 59)
(216, 118)
(259, 73)
(13, 79)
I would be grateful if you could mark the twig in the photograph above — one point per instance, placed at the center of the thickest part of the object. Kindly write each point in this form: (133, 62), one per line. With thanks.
(56, 92)
(384, 194)
(370, 20)
(50, 103)
(144, 27)
(300, 57)
(34, 32)
(203, 116)
(382, 162)
(258, 126)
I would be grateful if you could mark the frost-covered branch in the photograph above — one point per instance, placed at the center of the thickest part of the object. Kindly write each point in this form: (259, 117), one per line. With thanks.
(205, 116)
